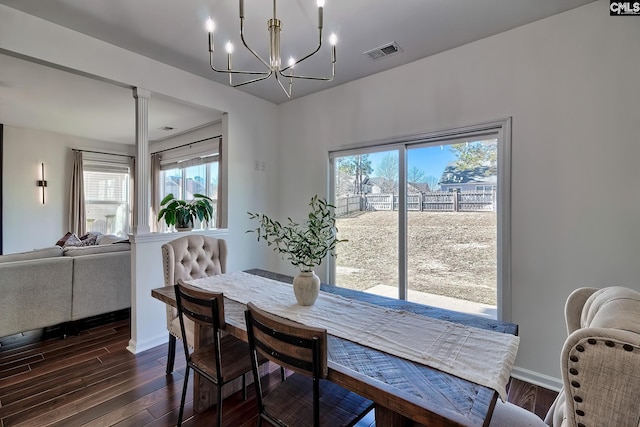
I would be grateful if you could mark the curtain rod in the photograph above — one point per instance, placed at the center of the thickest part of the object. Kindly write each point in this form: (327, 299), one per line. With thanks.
(187, 144)
(102, 152)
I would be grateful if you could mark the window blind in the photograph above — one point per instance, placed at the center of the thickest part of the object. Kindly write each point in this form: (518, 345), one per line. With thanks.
(197, 153)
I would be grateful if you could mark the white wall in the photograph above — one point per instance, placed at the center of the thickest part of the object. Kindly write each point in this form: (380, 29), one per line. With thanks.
(570, 84)
(27, 223)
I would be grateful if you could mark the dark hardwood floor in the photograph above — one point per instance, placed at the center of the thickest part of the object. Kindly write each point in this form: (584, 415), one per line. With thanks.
(90, 379)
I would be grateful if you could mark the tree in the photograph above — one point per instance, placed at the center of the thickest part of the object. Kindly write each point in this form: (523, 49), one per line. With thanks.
(388, 169)
(358, 166)
(416, 175)
(432, 182)
(472, 155)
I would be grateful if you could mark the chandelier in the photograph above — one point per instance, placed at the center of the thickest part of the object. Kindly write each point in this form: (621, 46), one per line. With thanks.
(273, 67)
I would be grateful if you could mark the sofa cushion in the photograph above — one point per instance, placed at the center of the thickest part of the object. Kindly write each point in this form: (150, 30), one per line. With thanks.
(101, 283)
(35, 294)
(54, 251)
(97, 249)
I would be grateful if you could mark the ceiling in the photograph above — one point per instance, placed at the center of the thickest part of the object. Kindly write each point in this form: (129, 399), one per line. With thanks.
(173, 32)
(39, 97)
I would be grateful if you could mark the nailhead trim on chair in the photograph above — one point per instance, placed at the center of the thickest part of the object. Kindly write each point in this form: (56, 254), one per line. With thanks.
(573, 371)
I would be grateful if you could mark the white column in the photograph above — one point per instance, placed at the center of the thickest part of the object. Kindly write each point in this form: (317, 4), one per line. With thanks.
(142, 195)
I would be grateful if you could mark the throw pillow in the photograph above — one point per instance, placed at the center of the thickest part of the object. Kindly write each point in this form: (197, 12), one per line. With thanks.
(90, 238)
(63, 239)
(73, 240)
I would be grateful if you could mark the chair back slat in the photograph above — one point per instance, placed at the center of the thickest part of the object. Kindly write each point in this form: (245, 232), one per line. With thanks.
(196, 304)
(287, 343)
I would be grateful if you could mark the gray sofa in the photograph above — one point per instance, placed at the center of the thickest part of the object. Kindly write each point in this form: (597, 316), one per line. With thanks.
(50, 286)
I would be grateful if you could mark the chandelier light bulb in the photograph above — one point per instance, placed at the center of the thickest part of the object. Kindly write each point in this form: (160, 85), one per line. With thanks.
(210, 25)
(320, 3)
(333, 39)
(229, 48)
(292, 62)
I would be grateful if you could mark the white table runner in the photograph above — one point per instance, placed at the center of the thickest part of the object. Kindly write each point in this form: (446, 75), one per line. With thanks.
(481, 356)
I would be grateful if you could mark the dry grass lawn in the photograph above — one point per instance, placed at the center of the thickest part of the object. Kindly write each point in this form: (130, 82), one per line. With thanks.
(450, 253)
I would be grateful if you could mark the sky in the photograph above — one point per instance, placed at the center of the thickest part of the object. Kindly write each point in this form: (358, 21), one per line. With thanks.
(432, 160)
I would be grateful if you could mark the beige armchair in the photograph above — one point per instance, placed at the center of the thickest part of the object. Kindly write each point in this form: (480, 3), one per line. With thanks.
(190, 257)
(599, 360)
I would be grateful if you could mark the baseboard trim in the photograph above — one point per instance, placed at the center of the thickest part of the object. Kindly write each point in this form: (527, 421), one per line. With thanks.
(138, 347)
(536, 378)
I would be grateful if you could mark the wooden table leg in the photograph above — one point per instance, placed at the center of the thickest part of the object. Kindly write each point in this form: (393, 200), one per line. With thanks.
(387, 418)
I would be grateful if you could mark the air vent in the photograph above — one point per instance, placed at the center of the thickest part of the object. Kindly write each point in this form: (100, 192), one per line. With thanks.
(383, 51)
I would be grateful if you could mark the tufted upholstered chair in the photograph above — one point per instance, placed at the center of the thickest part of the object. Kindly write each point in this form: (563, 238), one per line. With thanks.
(600, 363)
(190, 257)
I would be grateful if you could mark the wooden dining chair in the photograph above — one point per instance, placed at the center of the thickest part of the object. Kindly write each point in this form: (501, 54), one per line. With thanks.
(225, 358)
(306, 397)
(190, 257)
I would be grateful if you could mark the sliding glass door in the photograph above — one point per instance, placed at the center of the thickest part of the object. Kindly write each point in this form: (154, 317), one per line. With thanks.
(451, 225)
(426, 219)
(366, 191)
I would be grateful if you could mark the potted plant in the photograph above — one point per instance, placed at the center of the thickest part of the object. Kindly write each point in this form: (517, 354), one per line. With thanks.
(182, 214)
(305, 246)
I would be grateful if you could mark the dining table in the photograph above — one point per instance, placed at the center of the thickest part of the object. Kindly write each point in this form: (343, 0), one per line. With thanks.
(406, 390)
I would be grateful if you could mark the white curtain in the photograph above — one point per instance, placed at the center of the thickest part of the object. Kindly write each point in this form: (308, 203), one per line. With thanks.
(77, 213)
(155, 191)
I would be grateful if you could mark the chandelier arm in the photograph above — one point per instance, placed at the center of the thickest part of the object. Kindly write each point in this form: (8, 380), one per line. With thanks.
(257, 79)
(324, 79)
(307, 56)
(261, 73)
(287, 92)
(244, 42)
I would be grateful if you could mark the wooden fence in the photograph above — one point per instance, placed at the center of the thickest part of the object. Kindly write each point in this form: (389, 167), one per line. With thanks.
(439, 201)
(344, 205)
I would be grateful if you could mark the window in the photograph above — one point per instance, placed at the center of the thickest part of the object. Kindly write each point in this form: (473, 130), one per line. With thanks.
(189, 170)
(107, 196)
(421, 221)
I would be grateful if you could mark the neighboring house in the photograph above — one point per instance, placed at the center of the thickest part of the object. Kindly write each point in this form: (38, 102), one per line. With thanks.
(476, 179)
(418, 187)
(378, 185)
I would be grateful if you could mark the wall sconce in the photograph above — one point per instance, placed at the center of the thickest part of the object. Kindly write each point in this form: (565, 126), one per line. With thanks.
(42, 183)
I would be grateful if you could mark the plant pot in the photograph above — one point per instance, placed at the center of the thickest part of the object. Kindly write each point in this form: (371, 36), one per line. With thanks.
(184, 228)
(306, 286)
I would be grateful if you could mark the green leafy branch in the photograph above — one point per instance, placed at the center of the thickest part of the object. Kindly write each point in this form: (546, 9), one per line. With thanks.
(304, 246)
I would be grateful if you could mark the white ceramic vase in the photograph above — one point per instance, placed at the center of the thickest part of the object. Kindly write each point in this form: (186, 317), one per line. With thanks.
(306, 286)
